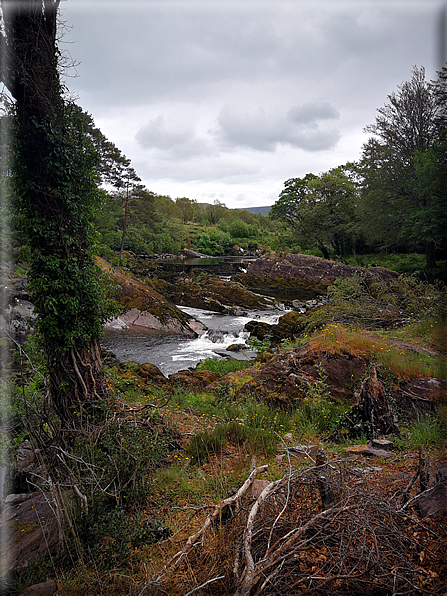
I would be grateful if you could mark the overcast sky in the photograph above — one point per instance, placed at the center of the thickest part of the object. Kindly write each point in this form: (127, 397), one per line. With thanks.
(223, 100)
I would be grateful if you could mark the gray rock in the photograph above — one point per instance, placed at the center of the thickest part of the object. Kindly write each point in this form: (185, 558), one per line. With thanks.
(41, 540)
(302, 451)
(373, 452)
(368, 470)
(306, 449)
(13, 498)
(382, 444)
(44, 589)
(419, 395)
(441, 474)
(311, 303)
(256, 488)
(116, 325)
(368, 451)
(19, 317)
(25, 455)
(434, 502)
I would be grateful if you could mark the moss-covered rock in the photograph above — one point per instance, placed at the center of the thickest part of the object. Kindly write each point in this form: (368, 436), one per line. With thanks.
(147, 308)
(297, 272)
(198, 379)
(202, 290)
(290, 325)
(287, 378)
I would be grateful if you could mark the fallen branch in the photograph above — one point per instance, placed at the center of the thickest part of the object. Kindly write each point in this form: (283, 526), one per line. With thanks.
(247, 577)
(287, 548)
(192, 540)
(210, 581)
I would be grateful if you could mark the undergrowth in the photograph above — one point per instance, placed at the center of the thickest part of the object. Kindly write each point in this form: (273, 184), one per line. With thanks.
(381, 346)
(137, 469)
(223, 366)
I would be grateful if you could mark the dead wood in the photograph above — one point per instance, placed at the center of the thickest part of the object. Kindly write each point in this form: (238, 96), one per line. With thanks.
(286, 542)
(194, 539)
(324, 486)
(374, 407)
(357, 545)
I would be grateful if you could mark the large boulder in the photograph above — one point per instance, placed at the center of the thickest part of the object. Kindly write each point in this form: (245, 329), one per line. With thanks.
(289, 325)
(297, 272)
(420, 395)
(145, 308)
(28, 531)
(287, 378)
(141, 374)
(201, 290)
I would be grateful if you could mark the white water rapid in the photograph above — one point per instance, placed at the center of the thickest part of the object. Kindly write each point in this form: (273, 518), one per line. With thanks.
(171, 354)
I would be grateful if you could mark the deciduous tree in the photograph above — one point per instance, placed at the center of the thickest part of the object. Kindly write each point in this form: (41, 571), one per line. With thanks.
(55, 190)
(321, 209)
(401, 169)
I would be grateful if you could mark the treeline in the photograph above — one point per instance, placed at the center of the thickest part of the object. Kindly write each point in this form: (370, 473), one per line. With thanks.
(131, 217)
(159, 224)
(394, 198)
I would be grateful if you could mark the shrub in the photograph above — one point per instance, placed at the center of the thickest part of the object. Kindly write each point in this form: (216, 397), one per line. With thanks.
(214, 243)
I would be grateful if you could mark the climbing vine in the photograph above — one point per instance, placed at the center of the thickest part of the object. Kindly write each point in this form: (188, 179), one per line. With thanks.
(55, 188)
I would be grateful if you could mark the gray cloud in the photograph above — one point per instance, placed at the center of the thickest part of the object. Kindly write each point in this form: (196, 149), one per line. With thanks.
(310, 113)
(155, 134)
(172, 138)
(319, 69)
(263, 131)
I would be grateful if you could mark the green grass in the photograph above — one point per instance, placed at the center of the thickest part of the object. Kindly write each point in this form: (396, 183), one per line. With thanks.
(428, 431)
(223, 366)
(251, 425)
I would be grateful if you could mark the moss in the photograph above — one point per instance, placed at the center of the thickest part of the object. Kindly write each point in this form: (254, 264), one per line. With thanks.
(133, 293)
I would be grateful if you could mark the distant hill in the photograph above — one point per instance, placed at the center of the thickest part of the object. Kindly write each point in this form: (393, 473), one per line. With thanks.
(263, 210)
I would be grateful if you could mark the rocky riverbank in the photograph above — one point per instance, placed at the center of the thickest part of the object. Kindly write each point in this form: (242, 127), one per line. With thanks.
(146, 308)
(311, 273)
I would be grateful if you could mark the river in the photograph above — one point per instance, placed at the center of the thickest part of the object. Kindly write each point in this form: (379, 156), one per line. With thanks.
(172, 353)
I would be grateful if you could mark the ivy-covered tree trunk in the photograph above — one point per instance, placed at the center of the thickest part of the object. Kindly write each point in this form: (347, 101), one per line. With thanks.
(55, 192)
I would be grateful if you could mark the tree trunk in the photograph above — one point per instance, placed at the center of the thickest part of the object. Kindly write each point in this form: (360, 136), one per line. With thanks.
(374, 406)
(77, 386)
(55, 193)
(424, 474)
(324, 485)
(126, 209)
(430, 255)
(324, 250)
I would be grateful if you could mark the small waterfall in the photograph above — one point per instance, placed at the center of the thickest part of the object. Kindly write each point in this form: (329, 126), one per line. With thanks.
(172, 354)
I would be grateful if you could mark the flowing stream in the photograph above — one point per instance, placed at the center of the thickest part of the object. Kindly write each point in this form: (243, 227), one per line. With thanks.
(171, 353)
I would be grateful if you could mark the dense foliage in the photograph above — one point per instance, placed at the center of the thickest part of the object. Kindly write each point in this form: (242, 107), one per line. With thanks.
(395, 198)
(54, 191)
